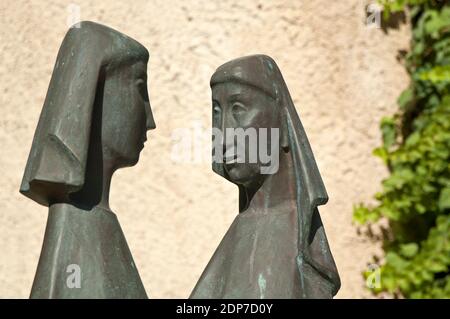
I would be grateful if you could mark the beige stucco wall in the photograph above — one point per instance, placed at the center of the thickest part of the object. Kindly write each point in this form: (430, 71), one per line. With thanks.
(342, 75)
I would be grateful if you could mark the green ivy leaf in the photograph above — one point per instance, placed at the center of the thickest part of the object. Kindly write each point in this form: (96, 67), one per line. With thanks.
(382, 153)
(388, 131)
(438, 74)
(444, 199)
(405, 98)
(415, 197)
(409, 250)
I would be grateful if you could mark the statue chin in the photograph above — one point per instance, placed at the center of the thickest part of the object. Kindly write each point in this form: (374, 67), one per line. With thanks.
(242, 173)
(132, 161)
(238, 173)
(122, 161)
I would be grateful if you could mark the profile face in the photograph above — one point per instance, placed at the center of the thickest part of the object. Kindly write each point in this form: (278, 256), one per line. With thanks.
(127, 115)
(240, 106)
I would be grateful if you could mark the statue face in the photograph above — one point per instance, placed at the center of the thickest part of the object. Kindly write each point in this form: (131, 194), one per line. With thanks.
(240, 106)
(126, 114)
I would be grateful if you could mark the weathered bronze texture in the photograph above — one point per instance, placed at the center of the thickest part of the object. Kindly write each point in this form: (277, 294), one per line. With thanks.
(276, 247)
(93, 122)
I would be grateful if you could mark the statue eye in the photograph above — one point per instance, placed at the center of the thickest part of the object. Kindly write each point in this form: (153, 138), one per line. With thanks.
(141, 83)
(216, 109)
(142, 88)
(238, 108)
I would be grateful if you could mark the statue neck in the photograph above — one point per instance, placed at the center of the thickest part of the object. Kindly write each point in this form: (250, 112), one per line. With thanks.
(95, 192)
(106, 185)
(277, 189)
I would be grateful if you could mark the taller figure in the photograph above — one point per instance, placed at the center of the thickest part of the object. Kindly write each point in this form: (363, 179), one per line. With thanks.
(94, 121)
(276, 247)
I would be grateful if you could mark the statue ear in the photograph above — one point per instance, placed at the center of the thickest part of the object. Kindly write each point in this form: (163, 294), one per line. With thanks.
(284, 134)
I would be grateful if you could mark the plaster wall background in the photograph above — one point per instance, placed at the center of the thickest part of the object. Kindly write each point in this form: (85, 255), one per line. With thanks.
(342, 75)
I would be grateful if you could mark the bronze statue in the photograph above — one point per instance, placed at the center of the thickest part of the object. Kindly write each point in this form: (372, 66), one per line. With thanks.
(276, 247)
(93, 122)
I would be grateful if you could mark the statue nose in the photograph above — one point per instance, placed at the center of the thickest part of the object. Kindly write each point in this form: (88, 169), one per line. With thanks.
(150, 121)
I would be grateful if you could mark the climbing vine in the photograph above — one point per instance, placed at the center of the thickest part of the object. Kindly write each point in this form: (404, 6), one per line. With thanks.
(415, 197)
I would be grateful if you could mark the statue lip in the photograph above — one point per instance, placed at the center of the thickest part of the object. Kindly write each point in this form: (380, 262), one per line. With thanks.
(143, 142)
(230, 159)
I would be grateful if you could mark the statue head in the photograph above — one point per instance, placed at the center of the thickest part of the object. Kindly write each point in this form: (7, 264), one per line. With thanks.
(97, 107)
(250, 92)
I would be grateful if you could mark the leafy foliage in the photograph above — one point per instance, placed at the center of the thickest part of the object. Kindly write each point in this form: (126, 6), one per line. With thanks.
(415, 198)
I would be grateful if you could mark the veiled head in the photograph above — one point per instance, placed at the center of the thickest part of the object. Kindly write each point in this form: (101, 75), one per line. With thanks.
(250, 92)
(97, 103)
